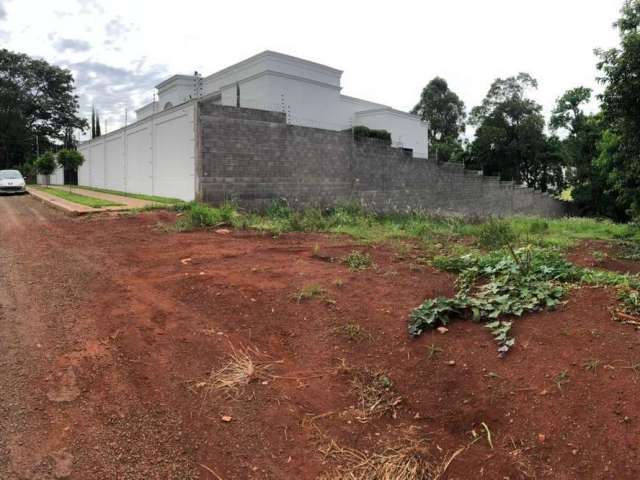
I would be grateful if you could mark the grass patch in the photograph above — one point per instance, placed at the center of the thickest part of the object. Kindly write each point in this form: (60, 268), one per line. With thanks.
(139, 196)
(352, 220)
(309, 292)
(79, 199)
(195, 216)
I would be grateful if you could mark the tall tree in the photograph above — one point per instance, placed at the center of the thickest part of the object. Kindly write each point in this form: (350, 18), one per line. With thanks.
(37, 105)
(510, 139)
(445, 112)
(98, 131)
(581, 149)
(620, 148)
(93, 121)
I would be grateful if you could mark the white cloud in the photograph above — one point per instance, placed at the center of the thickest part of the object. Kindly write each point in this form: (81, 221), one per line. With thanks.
(63, 45)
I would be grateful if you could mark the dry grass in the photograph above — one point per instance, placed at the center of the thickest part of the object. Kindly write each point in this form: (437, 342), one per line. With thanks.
(240, 369)
(376, 394)
(408, 461)
(308, 292)
(354, 332)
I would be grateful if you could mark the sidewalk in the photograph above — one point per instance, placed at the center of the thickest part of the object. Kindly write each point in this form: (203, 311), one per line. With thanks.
(72, 208)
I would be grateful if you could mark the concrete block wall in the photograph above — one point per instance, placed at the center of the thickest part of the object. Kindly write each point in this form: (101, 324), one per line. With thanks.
(254, 157)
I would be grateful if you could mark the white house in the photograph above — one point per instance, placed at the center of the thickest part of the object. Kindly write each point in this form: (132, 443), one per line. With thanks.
(308, 92)
(158, 153)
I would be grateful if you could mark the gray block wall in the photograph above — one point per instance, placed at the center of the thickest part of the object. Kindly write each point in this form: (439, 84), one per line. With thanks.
(254, 157)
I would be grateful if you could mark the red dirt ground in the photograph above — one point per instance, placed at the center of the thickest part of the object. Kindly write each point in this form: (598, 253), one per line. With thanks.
(105, 333)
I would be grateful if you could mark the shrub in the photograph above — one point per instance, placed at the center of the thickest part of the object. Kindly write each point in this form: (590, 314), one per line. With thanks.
(45, 164)
(279, 210)
(366, 132)
(197, 215)
(496, 234)
(70, 159)
(538, 226)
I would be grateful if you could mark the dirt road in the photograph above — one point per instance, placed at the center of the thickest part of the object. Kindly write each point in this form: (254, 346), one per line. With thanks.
(56, 367)
(110, 327)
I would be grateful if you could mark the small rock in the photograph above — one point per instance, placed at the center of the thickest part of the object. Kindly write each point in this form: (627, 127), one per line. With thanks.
(63, 463)
(184, 261)
(67, 389)
(226, 418)
(451, 363)
(223, 231)
(541, 437)
(442, 330)
(544, 393)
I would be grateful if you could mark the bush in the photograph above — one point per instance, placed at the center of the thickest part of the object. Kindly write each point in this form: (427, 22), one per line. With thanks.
(45, 164)
(538, 226)
(496, 234)
(70, 159)
(279, 210)
(366, 132)
(197, 215)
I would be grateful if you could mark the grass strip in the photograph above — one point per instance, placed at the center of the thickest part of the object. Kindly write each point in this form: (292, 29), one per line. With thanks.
(80, 199)
(139, 196)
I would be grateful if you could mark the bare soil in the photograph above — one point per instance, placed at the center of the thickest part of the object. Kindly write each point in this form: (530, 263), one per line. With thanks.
(110, 326)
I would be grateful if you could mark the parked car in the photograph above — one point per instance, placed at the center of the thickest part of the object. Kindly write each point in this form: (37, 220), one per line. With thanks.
(12, 181)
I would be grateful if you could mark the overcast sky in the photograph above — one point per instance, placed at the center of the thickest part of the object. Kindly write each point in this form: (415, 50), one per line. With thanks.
(119, 49)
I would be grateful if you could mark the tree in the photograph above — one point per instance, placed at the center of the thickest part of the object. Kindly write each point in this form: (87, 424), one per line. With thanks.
(45, 165)
(619, 159)
(510, 141)
(568, 113)
(98, 132)
(93, 122)
(37, 105)
(69, 159)
(446, 115)
(581, 149)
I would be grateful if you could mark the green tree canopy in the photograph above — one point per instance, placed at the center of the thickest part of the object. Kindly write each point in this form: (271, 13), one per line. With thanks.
(70, 159)
(46, 163)
(442, 108)
(510, 139)
(619, 158)
(36, 99)
(445, 112)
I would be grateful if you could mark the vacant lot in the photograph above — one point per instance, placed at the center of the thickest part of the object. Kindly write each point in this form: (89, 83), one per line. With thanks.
(131, 351)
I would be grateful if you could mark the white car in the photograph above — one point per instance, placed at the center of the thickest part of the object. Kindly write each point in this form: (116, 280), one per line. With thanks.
(11, 181)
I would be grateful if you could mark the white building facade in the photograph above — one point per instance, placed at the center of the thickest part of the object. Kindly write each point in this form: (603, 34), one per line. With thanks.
(308, 92)
(157, 154)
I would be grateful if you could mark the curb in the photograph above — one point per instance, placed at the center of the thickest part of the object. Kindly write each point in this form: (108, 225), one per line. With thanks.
(58, 206)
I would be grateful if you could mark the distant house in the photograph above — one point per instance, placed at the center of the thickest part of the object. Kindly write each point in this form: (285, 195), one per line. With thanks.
(308, 92)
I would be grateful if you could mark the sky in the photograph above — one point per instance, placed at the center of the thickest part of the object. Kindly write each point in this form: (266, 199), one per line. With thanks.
(119, 49)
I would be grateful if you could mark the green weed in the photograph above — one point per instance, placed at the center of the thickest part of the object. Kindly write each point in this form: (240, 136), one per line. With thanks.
(358, 261)
(496, 234)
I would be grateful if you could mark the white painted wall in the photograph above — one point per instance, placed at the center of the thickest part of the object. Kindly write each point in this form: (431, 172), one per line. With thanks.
(56, 178)
(308, 92)
(407, 131)
(155, 156)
